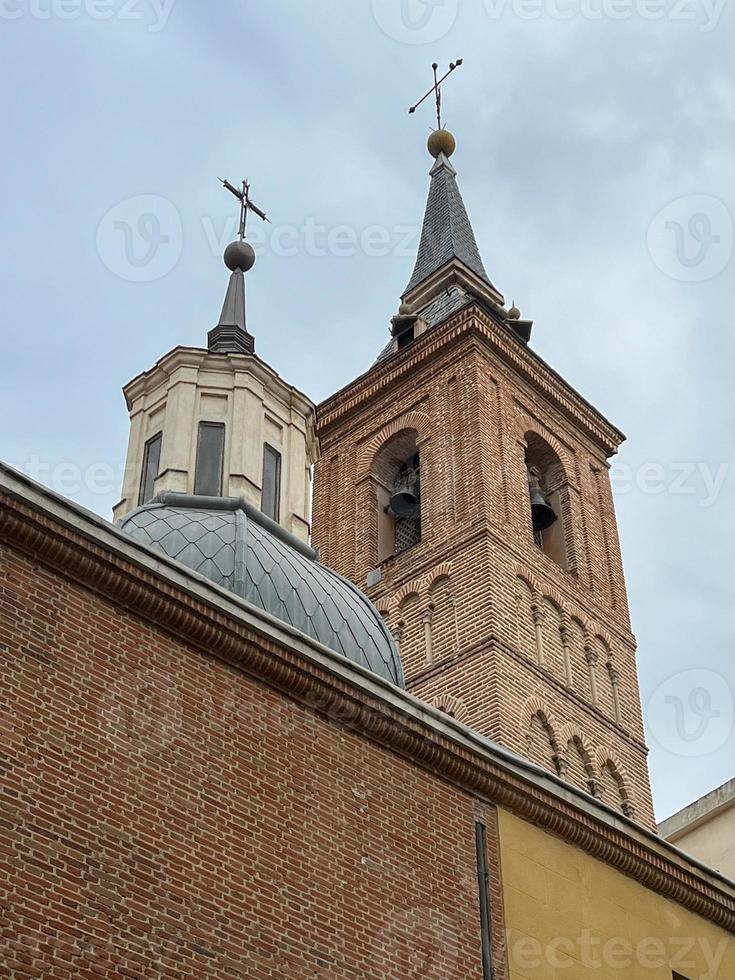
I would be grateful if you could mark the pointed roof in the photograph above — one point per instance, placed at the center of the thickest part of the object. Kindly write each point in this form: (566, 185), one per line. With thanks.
(233, 308)
(231, 335)
(446, 234)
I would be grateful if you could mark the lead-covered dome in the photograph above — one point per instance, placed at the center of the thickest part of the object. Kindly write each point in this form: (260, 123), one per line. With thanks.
(231, 543)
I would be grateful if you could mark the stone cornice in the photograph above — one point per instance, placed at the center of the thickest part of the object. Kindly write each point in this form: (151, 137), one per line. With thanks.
(199, 359)
(474, 320)
(82, 547)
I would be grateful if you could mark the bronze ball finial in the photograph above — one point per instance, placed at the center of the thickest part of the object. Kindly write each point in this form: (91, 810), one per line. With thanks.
(441, 141)
(239, 256)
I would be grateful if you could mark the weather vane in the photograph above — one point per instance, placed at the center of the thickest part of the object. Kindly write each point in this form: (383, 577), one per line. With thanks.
(436, 88)
(246, 204)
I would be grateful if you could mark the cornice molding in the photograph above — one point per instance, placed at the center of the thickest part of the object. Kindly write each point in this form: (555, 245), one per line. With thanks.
(80, 546)
(200, 360)
(474, 320)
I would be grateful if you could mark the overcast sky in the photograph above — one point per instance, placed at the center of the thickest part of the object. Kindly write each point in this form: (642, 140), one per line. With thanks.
(596, 158)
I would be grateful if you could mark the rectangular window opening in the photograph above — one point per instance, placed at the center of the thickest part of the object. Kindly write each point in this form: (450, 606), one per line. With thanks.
(405, 338)
(271, 496)
(210, 459)
(151, 465)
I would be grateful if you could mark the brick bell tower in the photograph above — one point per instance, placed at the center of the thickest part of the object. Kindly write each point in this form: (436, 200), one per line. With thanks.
(464, 485)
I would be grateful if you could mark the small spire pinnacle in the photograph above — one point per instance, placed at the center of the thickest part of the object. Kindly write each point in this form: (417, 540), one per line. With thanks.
(231, 335)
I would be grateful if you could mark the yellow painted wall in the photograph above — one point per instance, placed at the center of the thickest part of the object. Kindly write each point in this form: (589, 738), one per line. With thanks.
(712, 841)
(570, 916)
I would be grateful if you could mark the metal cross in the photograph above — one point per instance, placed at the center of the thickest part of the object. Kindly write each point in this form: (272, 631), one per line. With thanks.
(246, 204)
(436, 88)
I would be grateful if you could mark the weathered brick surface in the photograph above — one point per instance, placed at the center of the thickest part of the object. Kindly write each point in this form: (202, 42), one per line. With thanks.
(164, 815)
(485, 620)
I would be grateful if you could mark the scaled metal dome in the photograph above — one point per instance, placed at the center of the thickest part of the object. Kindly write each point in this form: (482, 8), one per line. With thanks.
(231, 543)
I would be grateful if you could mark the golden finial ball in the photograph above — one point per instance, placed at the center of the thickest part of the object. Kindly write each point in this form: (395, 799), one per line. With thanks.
(441, 141)
(514, 313)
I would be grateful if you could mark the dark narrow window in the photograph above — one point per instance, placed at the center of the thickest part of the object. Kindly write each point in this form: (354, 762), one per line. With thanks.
(483, 881)
(210, 457)
(271, 497)
(151, 463)
(405, 338)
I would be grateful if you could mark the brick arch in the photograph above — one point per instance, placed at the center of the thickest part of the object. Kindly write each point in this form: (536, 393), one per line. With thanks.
(443, 570)
(556, 599)
(605, 754)
(450, 704)
(533, 709)
(535, 706)
(609, 760)
(524, 425)
(403, 595)
(570, 733)
(604, 638)
(418, 422)
(553, 597)
(530, 579)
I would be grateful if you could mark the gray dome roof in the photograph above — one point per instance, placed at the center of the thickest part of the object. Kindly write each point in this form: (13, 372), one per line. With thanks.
(228, 541)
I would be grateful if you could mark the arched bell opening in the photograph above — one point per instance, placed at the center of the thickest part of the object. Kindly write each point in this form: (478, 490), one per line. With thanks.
(396, 473)
(546, 492)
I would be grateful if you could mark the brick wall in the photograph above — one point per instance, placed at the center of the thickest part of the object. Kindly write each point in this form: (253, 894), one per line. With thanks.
(162, 814)
(487, 623)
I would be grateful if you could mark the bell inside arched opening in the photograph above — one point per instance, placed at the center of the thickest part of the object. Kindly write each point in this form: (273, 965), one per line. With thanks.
(397, 478)
(546, 481)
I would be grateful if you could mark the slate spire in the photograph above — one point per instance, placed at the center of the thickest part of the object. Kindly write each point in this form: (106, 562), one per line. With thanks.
(447, 237)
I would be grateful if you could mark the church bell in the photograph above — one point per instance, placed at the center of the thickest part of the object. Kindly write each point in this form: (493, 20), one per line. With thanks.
(542, 513)
(405, 500)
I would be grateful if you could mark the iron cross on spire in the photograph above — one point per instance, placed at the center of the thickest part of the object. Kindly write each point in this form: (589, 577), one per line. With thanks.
(246, 204)
(436, 88)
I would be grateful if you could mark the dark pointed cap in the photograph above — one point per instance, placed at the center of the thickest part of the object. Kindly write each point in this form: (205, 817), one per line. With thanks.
(231, 335)
(446, 234)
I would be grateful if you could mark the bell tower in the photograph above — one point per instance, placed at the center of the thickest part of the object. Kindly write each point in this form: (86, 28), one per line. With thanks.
(464, 485)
